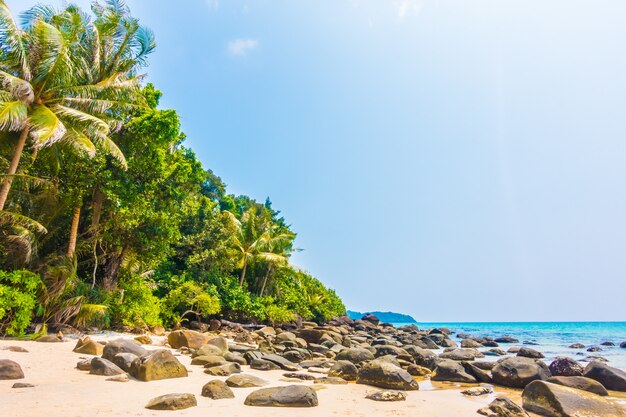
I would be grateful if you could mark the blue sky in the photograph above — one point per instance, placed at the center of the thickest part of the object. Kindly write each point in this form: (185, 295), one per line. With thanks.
(454, 160)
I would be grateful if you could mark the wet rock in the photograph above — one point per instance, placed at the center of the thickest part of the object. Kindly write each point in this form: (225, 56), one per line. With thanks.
(453, 371)
(172, 402)
(423, 357)
(547, 399)
(187, 338)
(506, 339)
(518, 372)
(611, 378)
(416, 370)
(387, 395)
(594, 349)
(526, 352)
(87, 346)
(503, 407)
(564, 366)
(217, 390)
(607, 344)
(101, 366)
(386, 375)
(245, 381)
(116, 346)
(289, 396)
(160, 364)
(10, 370)
(622, 345)
(577, 346)
(495, 352)
(344, 369)
(477, 391)
(580, 382)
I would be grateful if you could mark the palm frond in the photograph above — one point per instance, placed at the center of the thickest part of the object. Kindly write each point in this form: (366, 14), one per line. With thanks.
(46, 127)
(13, 114)
(13, 44)
(8, 218)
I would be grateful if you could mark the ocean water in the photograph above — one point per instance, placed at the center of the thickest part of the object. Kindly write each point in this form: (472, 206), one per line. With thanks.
(551, 338)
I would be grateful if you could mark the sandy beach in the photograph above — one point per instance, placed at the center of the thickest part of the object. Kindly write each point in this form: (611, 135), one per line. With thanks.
(61, 390)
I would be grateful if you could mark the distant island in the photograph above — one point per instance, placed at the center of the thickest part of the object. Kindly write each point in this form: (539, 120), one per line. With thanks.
(384, 316)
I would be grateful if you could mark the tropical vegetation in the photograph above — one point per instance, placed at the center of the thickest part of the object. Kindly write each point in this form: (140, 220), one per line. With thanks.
(106, 218)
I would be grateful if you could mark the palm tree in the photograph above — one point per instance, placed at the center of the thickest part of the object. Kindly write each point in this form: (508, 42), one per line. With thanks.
(277, 247)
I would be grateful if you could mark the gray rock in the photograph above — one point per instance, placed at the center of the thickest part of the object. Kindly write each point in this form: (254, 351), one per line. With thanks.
(464, 354)
(344, 369)
(263, 365)
(283, 363)
(289, 396)
(526, 352)
(506, 339)
(187, 338)
(453, 371)
(101, 366)
(518, 372)
(580, 382)
(565, 367)
(611, 378)
(172, 402)
(116, 346)
(477, 391)
(124, 360)
(503, 407)
(476, 372)
(217, 390)
(223, 370)
(245, 381)
(387, 395)
(386, 375)
(355, 355)
(331, 380)
(10, 370)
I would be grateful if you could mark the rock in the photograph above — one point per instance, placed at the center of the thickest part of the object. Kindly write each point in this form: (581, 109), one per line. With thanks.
(217, 390)
(208, 360)
(594, 349)
(355, 355)
(622, 345)
(87, 346)
(245, 381)
(219, 342)
(563, 366)
(514, 349)
(476, 372)
(124, 360)
(547, 399)
(331, 380)
(207, 350)
(84, 365)
(263, 365)
(344, 369)
(144, 339)
(296, 375)
(453, 371)
(518, 372)
(470, 343)
(10, 370)
(607, 344)
(49, 338)
(611, 378)
(116, 346)
(387, 395)
(235, 357)
(22, 385)
(580, 382)
(526, 352)
(281, 362)
(416, 370)
(477, 391)
(503, 407)
(386, 375)
(101, 366)
(495, 352)
(172, 402)
(464, 354)
(15, 349)
(187, 338)
(577, 346)
(484, 365)
(160, 364)
(119, 378)
(371, 318)
(506, 339)
(423, 357)
(289, 396)
(223, 370)
(311, 335)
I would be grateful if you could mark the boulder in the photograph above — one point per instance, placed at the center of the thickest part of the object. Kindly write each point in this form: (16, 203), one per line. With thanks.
(518, 372)
(22, 385)
(476, 372)
(453, 371)
(387, 395)
(300, 376)
(49, 338)
(172, 402)
(417, 370)
(219, 342)
(207, 350)
(611, 378)
(552, 400)
(331, 380)
(144, 339)
(217, 390)
(580, 382)
(86, 346)
(84, 365)
(503, 407)
(235, 357)
(311, 335)
(344, 369)
(289, 396)
(283, 363)
(101, 366)
(15, 349)
(245, 381)
(223, 370)
(263, 365)
(187, 338)
(477, 391)
(386, 375)
(506, 339)
(124, 360)
(577, 346)
(563, 366)
(355, 355)
(160, 364)
(116, 346)
(423, 357)
(622, 345)
(526, 352)
(208, 360)
(470, 343)
(464, 354)
(371, 318)
(10, 370)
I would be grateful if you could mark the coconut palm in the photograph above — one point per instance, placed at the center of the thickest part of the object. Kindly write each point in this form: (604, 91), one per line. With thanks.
(277, 247)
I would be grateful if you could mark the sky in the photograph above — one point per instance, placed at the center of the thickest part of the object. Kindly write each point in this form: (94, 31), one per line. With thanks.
(453, 160)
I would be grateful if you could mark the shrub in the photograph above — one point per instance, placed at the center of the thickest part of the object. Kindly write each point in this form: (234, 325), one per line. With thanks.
(189, 298)
(18, 295)
(278, 314)
(237, 302)
(135, 305)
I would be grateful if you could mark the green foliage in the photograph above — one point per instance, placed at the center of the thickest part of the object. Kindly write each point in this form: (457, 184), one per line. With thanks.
(135, 305)
(18, 298)
(189, 298)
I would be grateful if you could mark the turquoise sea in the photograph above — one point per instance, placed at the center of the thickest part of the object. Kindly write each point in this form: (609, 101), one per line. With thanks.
(551, 338)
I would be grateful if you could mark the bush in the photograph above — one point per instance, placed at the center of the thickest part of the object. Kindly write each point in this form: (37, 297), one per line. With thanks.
(237, 302)
(278, 314)
(136, 306)
(189, 298)
(18, 295)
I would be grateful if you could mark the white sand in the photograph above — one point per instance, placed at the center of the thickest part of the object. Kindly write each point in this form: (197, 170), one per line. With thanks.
(61, 390)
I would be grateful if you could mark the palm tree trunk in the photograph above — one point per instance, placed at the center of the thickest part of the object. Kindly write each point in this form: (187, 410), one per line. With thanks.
(71, 248)
(267, 274)
(98, 199)
(15, 161)
(243, 273)
(112, 270)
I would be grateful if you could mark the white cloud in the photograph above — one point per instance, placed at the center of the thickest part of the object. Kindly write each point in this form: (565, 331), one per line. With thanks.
(406, 8)
(241, 47)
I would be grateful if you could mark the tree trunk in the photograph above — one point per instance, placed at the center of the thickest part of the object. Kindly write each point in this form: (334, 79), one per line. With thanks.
(267, 274)
(15, 161)
(98, 199)
(243, 273)
(71, 248)
(112, 270)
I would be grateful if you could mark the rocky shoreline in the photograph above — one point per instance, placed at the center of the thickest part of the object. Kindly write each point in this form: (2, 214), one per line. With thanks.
(393, 361)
